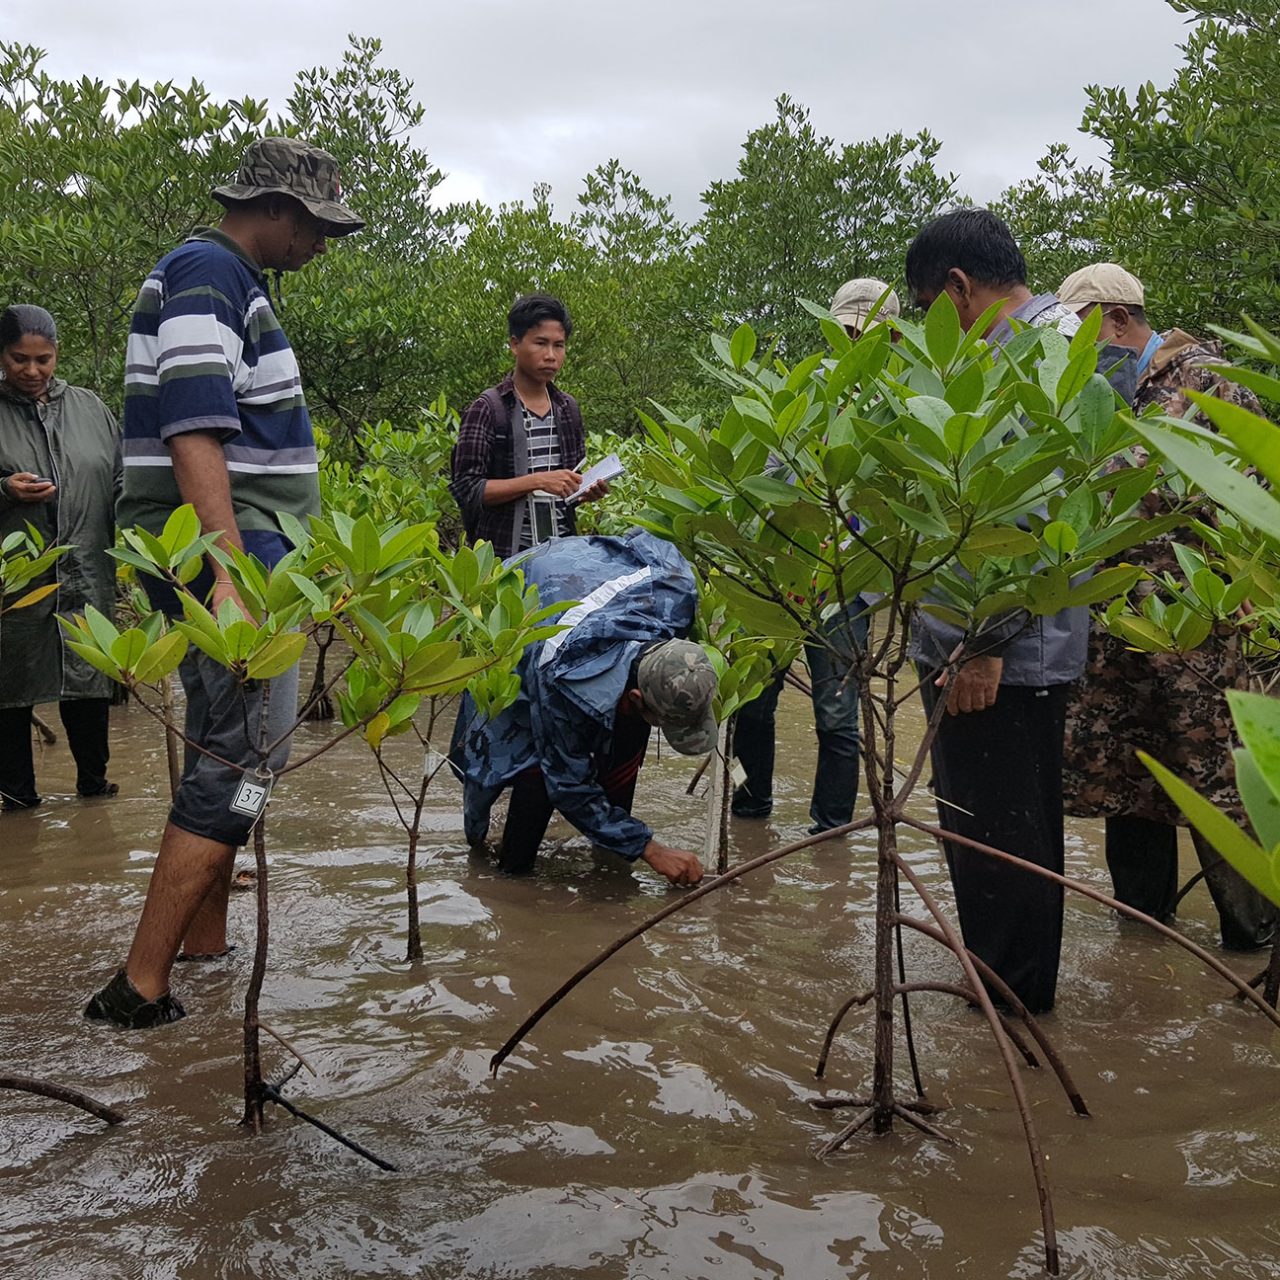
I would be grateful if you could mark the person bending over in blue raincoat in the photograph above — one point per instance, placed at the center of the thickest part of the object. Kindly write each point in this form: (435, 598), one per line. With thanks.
(575, 738)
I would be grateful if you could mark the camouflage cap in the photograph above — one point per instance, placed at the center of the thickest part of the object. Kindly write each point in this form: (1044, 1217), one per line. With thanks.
(291, 167)
(855, 300)
(678, 684)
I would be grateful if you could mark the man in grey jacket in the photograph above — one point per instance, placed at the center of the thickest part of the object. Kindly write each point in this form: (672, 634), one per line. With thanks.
(997, 759)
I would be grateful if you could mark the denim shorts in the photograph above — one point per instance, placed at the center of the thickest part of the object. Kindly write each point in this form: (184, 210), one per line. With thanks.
(225, 717)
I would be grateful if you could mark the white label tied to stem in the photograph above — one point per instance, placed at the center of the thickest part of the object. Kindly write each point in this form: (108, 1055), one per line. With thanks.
(251, 795)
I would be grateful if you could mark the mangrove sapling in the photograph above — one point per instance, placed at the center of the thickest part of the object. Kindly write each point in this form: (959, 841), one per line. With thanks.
(486, 602)
(928, 474)
(744, 665)
(412, 616)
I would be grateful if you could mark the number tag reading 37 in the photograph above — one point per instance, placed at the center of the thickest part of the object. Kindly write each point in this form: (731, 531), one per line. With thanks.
(251, 796)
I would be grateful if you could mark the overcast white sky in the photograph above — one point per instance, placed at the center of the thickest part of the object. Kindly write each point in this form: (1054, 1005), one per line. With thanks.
(524, 91)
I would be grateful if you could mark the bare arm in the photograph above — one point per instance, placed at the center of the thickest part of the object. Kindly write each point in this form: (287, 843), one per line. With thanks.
(561, 483)
(200, 468)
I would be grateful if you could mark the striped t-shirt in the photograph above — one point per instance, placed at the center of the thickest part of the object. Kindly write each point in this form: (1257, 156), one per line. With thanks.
(544, 455)
(206, 353)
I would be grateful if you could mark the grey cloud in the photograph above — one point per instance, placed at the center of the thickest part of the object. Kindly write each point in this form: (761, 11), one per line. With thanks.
(519, 93)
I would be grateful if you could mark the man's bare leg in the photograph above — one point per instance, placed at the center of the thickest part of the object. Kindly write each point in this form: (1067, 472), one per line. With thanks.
(191, 875)
(207, 933)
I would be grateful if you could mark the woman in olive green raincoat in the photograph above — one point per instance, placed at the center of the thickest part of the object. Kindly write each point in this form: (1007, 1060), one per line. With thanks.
(59, 472)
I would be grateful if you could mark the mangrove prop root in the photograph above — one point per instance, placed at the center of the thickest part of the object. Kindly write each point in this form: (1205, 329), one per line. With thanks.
(1186, 889)
(921, 1106)
(1097, 895)
(279, 1039)
(47, 735)
(1002, 989)
(1272, 974)
(907, 1030)
(272, 1094)
(59, 1093)
(697, 777)
(1005, 1046)
(964, 993)
(923, 1125)
(695, 895)
(820, 1069)
(833, 1145)
(319, 705)
(278, 1085)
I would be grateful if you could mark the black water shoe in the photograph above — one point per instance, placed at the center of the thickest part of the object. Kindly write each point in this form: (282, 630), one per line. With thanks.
(93, 790)
(120, 1002)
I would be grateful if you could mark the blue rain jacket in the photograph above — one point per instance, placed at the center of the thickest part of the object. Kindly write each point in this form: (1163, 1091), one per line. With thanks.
(631, 591)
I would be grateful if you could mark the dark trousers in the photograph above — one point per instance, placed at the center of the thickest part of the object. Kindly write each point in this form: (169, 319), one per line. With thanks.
(835, 720)
(1004, 765)
(530, 810)
(85, 721)
(1142, 856)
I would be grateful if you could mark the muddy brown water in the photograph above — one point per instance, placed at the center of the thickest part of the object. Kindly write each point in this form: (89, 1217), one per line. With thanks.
(654, 1126)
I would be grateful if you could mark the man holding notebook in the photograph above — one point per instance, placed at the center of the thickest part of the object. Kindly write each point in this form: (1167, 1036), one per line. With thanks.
(521, 444)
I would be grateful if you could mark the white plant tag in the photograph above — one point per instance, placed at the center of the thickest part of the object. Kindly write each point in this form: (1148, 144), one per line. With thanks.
(251, 795)
(431, 765)
(737, 774)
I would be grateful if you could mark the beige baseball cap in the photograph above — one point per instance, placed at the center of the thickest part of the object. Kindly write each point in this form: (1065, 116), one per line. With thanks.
(1101, 282)
(855, 299)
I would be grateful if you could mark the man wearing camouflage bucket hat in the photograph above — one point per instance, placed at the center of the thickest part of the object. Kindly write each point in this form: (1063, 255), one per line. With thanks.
(292, 168)
(214, 416)
(576, 737)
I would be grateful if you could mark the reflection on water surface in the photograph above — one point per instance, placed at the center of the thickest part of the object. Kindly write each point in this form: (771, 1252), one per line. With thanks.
(654, 1126)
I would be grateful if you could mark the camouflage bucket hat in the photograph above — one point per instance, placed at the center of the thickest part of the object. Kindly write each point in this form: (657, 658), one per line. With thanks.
(291, 167)
(678, 684)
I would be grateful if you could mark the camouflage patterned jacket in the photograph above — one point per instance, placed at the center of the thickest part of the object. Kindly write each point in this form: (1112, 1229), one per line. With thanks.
(1171, 705)
(631, 591)
(1175, 369)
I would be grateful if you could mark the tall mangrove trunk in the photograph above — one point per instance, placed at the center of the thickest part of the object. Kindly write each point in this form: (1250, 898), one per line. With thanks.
(254, 1088)
(882, 1098)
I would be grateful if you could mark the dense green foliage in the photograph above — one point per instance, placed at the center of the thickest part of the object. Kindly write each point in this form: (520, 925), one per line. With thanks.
(102, 179)
(1191, 202)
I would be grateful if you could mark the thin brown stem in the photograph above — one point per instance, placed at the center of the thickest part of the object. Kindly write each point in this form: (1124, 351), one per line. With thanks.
(681, 904)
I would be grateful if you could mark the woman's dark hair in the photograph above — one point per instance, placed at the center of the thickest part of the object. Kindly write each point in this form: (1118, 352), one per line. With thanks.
(533, 309)
(21, 320)
(974, 241)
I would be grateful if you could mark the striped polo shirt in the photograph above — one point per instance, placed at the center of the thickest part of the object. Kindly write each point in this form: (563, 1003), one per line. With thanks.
(206, 353)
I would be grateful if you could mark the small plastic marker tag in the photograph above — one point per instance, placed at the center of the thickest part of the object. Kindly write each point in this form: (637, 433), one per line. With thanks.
(251, 795)
(737, 775)
(432, 764)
